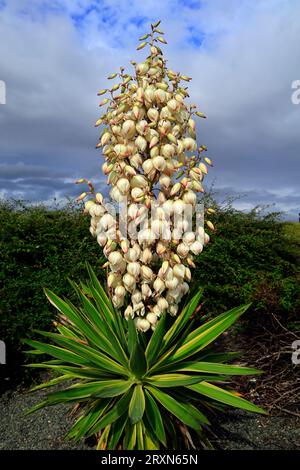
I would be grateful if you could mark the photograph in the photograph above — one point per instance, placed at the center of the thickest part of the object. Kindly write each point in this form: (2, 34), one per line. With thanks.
(149, 231)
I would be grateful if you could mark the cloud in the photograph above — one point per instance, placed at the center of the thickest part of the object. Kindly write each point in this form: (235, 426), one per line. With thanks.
(242, 55)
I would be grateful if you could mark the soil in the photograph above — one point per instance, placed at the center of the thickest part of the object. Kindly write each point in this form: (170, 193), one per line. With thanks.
(45, 429)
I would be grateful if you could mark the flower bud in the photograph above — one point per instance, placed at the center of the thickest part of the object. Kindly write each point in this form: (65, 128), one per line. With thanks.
(137, 194)
(153, 114)
(173, 310)
(129, 282)
(124, 246)
(135, 160)
(112, 280)
(142, 68)
(105, 138)
(168, 151)
(172, 283)
(120, 291)
(188, 238)
(159, 285)
(147, 165)
(136, 297)
(146, 291)
(107, 221)
(165, 181)
(115, 258)
(129, 312)
(203, 168)
(142, 324)
(154, 151)
(173, 105)
(146, 256)
(196, 247)
(149, 94)
(139, 181)
(188, 274)
(182, 250)
(159, 163)
(162, 304)
(175, 189)
(123, 185)
(134, 268)
(121, 150)
(141, 143)
(154, 140)
(190, 197)
(128, 128)
(151, 318)
(101, 239)
(210, 225)
(179, 271)
(118, 302)
(142, 127)
(146, 273)
(189, 144)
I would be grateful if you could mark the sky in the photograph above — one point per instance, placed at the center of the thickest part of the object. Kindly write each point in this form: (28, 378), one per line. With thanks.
(243, 57)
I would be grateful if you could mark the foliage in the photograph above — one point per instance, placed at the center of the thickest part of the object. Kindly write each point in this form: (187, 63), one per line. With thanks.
(38, 246)
(133, 389)
(43, 247)
(252, 258)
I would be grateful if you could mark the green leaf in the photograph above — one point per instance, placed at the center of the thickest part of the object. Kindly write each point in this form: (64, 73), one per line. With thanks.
(88, 419)
(130, 437)
(140, 435)
(133, 338)
(202, 336)
(116, 432)
(112, 388)
(81, 354)
(181, 320)
(215, 368)
(197, 413)
(180, 410)
(80, 372)
(173, 380)
(155, 419)
(119, 407)
(51, 383)
(81, 321)
(154, 346)
(137, 404)
(224, 396)
(102, 443)
(57, 352)
(138, 363)
(104, 331)
(151, 443)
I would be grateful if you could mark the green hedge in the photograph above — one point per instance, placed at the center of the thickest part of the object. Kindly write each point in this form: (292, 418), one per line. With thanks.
(38, 248)
(250, 258)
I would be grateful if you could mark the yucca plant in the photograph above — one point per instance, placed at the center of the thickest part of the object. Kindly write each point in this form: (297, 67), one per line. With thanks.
(133, 391)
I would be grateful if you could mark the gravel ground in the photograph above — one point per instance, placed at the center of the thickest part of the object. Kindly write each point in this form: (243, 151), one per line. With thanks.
(45, 429)
(238, 430)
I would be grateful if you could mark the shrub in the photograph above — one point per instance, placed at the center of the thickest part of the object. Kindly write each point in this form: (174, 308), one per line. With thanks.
(132, 389)
(38, 247)
(251, 258)
(117, 347)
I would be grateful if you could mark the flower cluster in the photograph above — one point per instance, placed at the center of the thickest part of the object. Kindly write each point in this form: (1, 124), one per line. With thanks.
(151, 155)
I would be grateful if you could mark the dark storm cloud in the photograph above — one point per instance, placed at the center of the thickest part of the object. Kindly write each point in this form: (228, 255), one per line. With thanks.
(243, 59)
